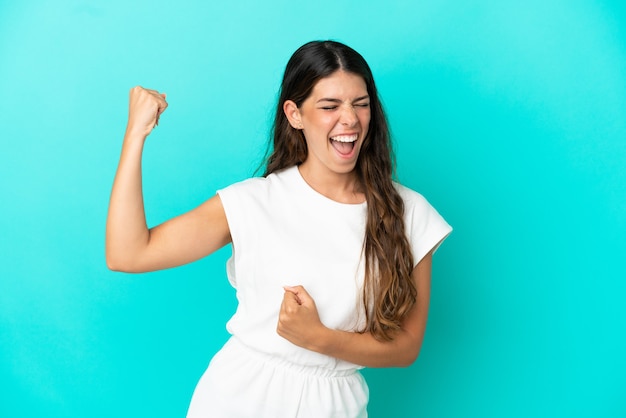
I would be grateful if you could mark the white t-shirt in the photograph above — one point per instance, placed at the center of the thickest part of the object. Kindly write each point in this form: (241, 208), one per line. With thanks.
(285, 233)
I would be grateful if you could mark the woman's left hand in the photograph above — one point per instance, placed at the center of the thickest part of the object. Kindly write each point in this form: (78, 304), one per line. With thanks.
(298, 320)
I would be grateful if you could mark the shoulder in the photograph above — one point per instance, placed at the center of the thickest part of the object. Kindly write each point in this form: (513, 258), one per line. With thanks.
(418, 211)
(250, 183)
(257, 186)
(426, 228)
(412, 199)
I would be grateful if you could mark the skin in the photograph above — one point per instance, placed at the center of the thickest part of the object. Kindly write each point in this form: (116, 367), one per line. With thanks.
(132, 247)
(299, 322)
(338, 105)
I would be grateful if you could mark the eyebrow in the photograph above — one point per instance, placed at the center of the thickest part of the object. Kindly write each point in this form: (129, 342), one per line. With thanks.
(329, 99)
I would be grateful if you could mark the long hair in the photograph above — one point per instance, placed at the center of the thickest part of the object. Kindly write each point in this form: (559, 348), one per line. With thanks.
(388, 292)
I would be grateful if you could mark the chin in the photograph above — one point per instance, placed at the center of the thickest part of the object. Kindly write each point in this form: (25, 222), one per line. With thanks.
(345, 169)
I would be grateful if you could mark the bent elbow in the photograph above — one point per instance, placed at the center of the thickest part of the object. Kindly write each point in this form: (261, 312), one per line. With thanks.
(114, 265)
(403, 359)
(118, 264)
(409, 355)
(408, 359)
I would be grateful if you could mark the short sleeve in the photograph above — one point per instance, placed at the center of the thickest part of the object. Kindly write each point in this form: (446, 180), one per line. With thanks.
(240, 202)
(425, 227)
(233, 200)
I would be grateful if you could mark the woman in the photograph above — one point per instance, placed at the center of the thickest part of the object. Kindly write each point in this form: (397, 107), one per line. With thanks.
(331, 259)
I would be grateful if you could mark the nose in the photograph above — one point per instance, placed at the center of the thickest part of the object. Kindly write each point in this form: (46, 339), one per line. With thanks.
(348, 116)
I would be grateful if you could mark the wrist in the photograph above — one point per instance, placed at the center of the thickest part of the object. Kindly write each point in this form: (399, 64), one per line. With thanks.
(134, 136)
(134, 140)
(324, 341)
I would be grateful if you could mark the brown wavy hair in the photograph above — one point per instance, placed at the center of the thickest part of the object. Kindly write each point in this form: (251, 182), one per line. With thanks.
(389, 292)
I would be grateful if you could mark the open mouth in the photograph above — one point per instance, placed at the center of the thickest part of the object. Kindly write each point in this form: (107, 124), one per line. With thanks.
(344, 144)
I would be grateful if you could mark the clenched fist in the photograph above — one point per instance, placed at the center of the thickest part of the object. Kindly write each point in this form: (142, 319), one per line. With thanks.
(145, 108)
(298, 320)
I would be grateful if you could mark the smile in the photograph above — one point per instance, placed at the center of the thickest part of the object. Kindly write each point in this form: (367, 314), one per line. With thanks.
(345, 138)
(344, 144)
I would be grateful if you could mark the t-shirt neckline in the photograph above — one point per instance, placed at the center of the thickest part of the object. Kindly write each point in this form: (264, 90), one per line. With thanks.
(295, 171)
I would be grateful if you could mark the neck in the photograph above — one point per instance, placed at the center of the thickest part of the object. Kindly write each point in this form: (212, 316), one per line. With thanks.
(340, 187)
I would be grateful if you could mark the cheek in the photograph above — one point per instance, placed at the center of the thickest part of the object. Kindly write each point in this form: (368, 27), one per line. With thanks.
(365, 118)
(318, 123)
(327, 120)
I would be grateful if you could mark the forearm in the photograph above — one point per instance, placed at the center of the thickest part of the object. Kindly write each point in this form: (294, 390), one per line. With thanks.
(299, 323)
(365, 350)
(126, 229)
(403, 350)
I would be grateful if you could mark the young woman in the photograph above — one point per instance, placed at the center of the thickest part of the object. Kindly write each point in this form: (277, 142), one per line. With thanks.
(331, 259)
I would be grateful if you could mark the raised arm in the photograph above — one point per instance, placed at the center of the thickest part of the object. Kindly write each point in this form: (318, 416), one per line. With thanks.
(130, 245)
(299, 323)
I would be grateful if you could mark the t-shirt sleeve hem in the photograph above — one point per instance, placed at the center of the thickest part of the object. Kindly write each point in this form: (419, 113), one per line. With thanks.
(431, 242)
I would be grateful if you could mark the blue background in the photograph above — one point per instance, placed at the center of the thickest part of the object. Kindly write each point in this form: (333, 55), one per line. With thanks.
(510, 117)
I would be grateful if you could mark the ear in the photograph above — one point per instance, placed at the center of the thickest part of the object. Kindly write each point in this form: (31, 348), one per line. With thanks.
(293, 114)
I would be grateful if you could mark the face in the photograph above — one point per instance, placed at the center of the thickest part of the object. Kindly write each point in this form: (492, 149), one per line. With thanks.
(334, 119)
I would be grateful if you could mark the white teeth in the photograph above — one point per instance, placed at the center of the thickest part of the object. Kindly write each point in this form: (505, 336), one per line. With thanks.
(345, 138)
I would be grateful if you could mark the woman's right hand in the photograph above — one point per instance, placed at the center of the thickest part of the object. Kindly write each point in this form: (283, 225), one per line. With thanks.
(145, 108)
